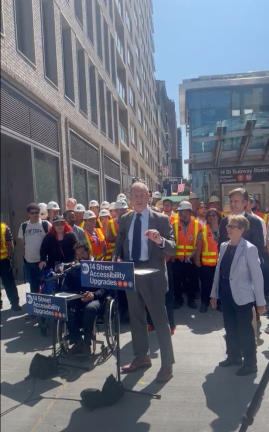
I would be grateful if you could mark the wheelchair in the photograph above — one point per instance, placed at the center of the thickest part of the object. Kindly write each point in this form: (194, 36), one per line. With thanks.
(106, 321)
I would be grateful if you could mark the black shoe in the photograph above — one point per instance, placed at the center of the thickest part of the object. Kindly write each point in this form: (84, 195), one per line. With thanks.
(247, 370)
(16, 307)
(178, 305)
(192, 305)
(203, 308)
(230, 362)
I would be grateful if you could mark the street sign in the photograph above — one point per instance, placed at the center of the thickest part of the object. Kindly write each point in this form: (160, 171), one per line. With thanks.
(46, 306)
(102, 275)
(173, 180)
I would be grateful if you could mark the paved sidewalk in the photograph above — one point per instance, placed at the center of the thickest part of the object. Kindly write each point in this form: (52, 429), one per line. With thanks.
(200, 398)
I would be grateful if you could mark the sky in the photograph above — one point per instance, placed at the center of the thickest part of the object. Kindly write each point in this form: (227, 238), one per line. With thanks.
(208, 37)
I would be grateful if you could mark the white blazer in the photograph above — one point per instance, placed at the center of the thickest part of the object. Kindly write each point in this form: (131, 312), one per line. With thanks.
(246, 278)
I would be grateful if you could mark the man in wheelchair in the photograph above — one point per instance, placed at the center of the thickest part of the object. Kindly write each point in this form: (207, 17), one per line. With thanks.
(82, 312)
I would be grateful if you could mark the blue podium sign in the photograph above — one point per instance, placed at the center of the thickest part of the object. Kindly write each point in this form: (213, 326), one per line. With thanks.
(46, 306)
(107, 275)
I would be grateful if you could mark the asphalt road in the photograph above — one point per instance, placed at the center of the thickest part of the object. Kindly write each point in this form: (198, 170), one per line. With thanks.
(201, 397)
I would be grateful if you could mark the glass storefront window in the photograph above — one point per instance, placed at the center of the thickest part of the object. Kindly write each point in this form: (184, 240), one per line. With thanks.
(46, 177)
(112, 190)
(93, 186)
(85, 185)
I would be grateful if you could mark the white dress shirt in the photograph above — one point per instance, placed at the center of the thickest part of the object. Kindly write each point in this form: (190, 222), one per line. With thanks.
(144, 240)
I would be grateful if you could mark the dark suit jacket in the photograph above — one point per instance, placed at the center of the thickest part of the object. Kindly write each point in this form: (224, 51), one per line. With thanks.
(254, 235)
(161, 223)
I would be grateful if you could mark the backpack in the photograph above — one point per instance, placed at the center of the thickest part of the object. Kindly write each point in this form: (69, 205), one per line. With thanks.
(45, 227)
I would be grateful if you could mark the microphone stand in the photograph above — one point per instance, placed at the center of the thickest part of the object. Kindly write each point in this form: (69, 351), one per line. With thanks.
(141, 393)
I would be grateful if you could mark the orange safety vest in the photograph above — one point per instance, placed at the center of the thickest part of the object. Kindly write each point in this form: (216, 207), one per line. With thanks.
(114, 228)
(81, 225)
(186, 244)
(96, 250)
(173, 218)
(209, 247)
(264, 216)
(4, 248)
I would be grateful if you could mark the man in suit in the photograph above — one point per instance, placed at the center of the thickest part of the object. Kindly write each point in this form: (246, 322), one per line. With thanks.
(238, 202)
(145, 237)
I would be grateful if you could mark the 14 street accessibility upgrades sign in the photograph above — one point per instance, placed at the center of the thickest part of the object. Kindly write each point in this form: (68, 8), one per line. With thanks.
(46, 306)
(98, 274)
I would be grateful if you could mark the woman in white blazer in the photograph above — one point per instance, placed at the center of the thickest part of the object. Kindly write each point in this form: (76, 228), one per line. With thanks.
(238, 282)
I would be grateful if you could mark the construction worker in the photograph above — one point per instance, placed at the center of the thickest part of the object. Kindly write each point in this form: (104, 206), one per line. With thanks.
(7, 248)
(122, 196)
(185, 273)
(201, 213)
(95, 238)
(156, 196)
(121, 208)
(43, 211)
(71, 204)
(104, 205)
(95, 208)
(206, 256)
(194, 200)
(112, 210)
(249, 209)
(105, 219)
(214, 202)
(79, 212)
(257, 212)
(53, 210)
(168, 210)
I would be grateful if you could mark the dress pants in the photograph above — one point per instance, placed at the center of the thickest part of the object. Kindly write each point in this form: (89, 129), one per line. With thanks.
(169, 299)
(9, 282)
(240, 337)
(147, 295)
(207, 277)
(82, 315)
(186, 280)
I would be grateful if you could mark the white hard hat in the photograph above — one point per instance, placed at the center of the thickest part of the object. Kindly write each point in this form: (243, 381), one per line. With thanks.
(104, 205)
(43, 210)
(52, 205)
(93, 203)
(104, 212)
(193, 196)
(213, 199)
(79, 208)
(112, 206)
(88, 215)
(184, 205)
(157, 195)
(121, 204)
(121, 196)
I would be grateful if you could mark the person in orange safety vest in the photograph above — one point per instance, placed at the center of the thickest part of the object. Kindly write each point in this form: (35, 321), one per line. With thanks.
(186, 278)
(94, 237)
(105, 219)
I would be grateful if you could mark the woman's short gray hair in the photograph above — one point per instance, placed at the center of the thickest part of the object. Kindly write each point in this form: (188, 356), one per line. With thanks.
(242, 221)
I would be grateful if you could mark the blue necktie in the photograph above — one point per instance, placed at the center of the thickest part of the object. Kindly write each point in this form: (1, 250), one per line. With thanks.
(136, 247)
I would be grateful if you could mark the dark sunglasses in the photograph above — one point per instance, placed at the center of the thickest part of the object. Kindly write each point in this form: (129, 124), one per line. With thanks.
(34, 212)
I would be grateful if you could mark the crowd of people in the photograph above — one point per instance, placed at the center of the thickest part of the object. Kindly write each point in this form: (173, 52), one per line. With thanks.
(201, 252)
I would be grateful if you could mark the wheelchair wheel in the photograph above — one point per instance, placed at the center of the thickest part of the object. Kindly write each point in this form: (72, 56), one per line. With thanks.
(112, 325)
(43, 324)
(62, 337)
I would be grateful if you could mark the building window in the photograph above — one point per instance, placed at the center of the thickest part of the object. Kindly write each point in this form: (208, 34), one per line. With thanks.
(143, 71)
(145, 103)
(147, 156)
(138, 83)
(137, 51)
(134, 169)
(85, 185)
(109, 114)
(139, 115)
(128, 23)
(46, 167)
(82, 88)
(116, 123)
(99, 30)
(146, 128)
(25, 28)
(79, 11)
(68, 60)
(133, 134)
(141, 146)
(106, 43)
(102, 105)
(49, 41)
(89, 15)
(2, 23)
(93, 94)
(113, 61)
(110, 7)
(135, 19)
(130, 60)
(131, 97)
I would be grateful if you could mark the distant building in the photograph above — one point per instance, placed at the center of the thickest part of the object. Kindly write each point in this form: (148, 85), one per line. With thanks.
(179, 165)
(227, 120)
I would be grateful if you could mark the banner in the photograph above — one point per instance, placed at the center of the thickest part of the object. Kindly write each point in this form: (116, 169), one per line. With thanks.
(244, 174)
(99, 274)
(46, 306)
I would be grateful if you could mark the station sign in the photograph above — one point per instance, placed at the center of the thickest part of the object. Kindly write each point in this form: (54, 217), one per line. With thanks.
(244, 174)
(173, 180)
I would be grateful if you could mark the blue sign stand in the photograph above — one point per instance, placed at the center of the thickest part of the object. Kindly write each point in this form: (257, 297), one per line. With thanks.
(46, 306)
(107, 275)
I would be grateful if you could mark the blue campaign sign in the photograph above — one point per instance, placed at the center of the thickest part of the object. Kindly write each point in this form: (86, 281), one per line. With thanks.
(46, 306)
(107, 275)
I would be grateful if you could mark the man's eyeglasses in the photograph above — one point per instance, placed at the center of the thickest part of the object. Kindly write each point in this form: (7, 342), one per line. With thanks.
(232, 226)
(34, 212)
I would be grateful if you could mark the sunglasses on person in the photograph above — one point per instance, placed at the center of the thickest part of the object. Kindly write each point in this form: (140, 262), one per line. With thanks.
(34, 212)
(212, 215)
(232, 226)
(58, 224)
